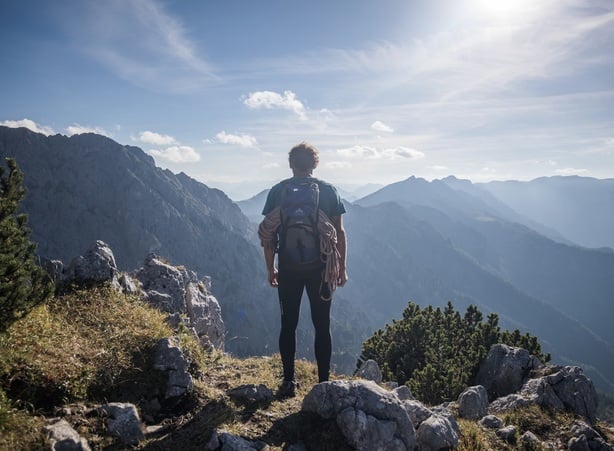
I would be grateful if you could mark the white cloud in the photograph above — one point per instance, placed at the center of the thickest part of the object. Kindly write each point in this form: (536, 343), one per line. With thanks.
(372, 153)
(177, 154)
(271, 165)
(437, 167)
(338, 164)
(242, 140)
(381, 127)
(571, 171)
(77, 129)
(29, 124)
(156, 139)
(270, 100)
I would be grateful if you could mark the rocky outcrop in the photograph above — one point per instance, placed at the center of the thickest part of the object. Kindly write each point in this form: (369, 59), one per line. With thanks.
(172, 289)
(371, 417)
(370, 371)
(169, 359)
(473, 403)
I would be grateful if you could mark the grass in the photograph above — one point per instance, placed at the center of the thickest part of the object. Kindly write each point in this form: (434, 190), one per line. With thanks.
(92, 346)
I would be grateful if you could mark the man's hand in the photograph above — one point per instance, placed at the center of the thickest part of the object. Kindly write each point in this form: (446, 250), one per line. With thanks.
(273, 277)
(343, 277)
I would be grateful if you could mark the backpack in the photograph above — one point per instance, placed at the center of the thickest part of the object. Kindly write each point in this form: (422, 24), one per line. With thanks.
(299, 241)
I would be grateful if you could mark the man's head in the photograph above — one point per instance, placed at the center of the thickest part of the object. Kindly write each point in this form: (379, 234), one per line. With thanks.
(303, 158)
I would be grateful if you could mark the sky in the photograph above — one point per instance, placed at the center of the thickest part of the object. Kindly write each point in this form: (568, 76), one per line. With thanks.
(221, 90)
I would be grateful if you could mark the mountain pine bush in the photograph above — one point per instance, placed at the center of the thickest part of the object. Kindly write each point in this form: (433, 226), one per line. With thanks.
(437, 353)
(23, 284)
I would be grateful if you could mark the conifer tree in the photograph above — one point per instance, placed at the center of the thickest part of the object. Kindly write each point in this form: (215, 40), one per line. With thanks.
(437, 353)
(23, 283)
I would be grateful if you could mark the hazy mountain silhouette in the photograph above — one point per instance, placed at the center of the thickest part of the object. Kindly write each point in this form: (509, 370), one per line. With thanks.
(580, 208)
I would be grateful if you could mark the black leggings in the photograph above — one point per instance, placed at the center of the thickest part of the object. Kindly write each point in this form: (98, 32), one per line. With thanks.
(290, 292)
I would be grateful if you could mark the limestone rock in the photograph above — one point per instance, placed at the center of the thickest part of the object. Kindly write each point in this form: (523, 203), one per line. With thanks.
(225, 441)
(508, 433)
(509, 402)
(96, 265)
(438, 432)
(370, 371)
(169, 359)
(541, 392)
(504, 370)
(124, 422)
(251, 393)
(372, 410)
(491, 422)
(63, 437)
(575, 390)
(403, 392)
(473, 403)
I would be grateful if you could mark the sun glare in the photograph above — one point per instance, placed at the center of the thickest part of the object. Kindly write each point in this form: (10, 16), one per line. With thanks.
(504, 9)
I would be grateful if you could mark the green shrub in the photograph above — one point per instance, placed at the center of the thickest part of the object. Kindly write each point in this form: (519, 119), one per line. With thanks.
(23, 284)
(437, 353)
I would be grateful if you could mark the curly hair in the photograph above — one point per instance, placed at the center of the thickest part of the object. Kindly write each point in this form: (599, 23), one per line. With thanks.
(304, 157)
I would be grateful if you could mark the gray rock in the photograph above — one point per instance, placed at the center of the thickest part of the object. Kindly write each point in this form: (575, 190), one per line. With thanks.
(541, 392)
(174, 289)
(504, 370)
(368, 407)
(124, 422)
(53, 267)
(473, 403)
(575, 390)
(97, 265)
(128, 285)
(578, 444)
(579, 428)
(370, 371)
(417, 411)
(403, 392)
(225, 441)
(390, 385)
(251, 393)
(170, 360)
(438, 432)
(491, 422)
(508, 433)
(62, 437)
(509, 402)
(529, 438)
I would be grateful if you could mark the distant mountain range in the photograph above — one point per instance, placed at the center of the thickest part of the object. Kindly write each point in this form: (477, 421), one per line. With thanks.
(429, 242)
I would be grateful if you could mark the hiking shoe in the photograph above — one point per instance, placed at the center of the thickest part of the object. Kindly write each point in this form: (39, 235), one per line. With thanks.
(287, 389)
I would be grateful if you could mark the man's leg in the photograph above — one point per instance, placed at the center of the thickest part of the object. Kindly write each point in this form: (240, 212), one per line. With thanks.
(320, 316)
(290, 292)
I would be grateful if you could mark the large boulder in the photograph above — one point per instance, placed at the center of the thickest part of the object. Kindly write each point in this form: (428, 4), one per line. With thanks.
(439, 431)
(370, 371)
(95, 266)
(174, 289)
(473, 403)
(369, 416)
(504, 370)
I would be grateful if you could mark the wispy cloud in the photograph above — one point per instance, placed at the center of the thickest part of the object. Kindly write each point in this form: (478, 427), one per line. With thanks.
(373, 153)
(273, 100)
(156, 139)
(338, 164)
(177, 154)
(242, 140)
(78, 129)
(141, 42)
(271, 165)
(29, 124)
(571, 171)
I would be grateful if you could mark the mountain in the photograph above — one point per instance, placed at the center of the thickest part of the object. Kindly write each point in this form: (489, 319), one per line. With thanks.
(252, 207)
(430, 243)
(88, 187)
(580, 208)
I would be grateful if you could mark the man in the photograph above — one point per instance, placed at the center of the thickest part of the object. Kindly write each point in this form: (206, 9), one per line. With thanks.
(319, 281)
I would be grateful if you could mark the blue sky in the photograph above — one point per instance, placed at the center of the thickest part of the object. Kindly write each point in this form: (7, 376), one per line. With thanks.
(481, 89)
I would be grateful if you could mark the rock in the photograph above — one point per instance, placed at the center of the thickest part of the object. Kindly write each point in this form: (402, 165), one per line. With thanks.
(509, 402)
(508, 433)
(251, 393)
(541, 392)
(128, 285)
(374, 412)
(417, 411)
(123, 422)
(170, 360)
(578, 444)
(62, 437)
(390, 385)
(53, 267)
(403, 392)
(370, 371)
(529, 438)
(225, 441)
(438, 432)
(97, 265)
(176, 290)
(491, 422)
(575, 390)
(504, 370)
(594, 440)
(473, 403)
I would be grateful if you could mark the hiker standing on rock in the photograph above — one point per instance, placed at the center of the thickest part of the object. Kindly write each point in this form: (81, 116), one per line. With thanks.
(303, 225)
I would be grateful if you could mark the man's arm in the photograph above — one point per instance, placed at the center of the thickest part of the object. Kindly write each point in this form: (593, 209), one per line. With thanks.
(269, 258)
(342, 248)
